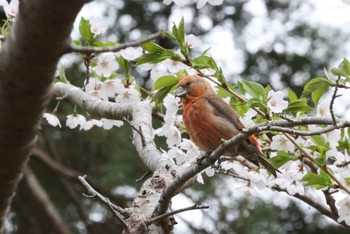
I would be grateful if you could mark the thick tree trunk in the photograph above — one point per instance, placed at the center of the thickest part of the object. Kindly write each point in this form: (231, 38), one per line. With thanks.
(28, 61)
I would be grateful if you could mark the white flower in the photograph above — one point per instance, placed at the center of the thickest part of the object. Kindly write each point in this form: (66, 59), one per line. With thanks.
(177, 2)
(323, 109)
(280, 142)
(11, 9)
(192, 41)
(128, 96)
(174, 66)
(98, 26)
(172, 134)
(199, 178)
(145, 66)
(52, 119)
(191, 149)
(210, 172)
(178, 155)
(109, 123)
(106, 64)
(333, 137)
(131, 53)
(93, 87)
(159, 70)
(201, 3)
(344, 210)
(276, 102)
(74, 120)
(90, 123)
(111, 87)
(171, 103)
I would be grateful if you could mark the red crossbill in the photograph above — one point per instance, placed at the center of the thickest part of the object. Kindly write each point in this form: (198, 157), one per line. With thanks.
(209, 120)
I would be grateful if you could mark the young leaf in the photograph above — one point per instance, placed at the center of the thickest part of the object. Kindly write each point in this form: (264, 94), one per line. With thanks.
(299, 105)
(317, 181)
(316, 87)
(280, 159)
(291, 95)
(161, 94)
(124, 64)
(152, 47)
(344, 66)
(165, 81)
(254, 89)
(85, 29)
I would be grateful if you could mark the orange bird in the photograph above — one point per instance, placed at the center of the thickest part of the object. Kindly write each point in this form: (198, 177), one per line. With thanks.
(209, 119)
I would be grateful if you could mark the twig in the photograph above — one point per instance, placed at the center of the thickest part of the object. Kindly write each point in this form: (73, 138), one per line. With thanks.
(139, 131)
(89, 50)
(334, 96)
(194, 207)
(117, 211)
(147, 173)
(331, 203)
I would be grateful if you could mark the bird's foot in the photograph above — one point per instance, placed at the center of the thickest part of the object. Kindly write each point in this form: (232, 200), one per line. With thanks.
(205, 156)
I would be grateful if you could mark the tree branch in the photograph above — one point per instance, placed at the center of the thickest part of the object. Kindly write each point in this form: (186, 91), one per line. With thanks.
(90, 50)
(118, 212)
(26, 76)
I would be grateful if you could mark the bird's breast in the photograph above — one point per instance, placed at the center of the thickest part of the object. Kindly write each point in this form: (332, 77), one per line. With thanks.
(204, 128)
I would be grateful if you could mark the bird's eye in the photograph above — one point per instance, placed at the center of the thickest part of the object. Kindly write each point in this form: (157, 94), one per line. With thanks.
(188, 83)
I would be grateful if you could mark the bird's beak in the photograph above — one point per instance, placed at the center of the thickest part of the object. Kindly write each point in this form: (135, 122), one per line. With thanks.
(180, 92)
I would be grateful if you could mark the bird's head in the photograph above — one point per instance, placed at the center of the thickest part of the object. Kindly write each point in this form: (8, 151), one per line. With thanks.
(193, 86)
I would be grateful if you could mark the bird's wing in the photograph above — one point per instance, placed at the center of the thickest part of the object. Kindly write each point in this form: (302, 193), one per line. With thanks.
(224, 110)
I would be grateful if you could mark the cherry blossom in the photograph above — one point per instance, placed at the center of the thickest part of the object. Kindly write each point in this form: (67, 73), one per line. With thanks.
(276, 102)
(111, 87)
(344, 210)
(191, 149)
(191, 41)
(93, 87)
(172, 134)
(98, 26)
(52, 119)
(110, 123)
(131, 53)
(128, 95)
(177, 2)
(74, 120)
(11, 9)
(106, 65)
(90, 123)
(178, 155)
(201, 3)
(174, 66)
(323, 109)
(280, 142)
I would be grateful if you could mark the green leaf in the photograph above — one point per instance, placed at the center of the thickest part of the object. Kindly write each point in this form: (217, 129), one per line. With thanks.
(179, 32)
(299, 105)
(151, 58)
(316, 180)
(291, 95)
(344, 66)
(321, 159)
(85, 29)
(169, 35)
(318, 140)
(165, 81)
(316, 87)
(254, 89)
(161, 94)
(152, 47)
(280, 159)
(204, 61)
(124, 64)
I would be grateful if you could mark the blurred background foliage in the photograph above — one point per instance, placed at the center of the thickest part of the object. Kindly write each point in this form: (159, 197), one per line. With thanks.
(281, 49)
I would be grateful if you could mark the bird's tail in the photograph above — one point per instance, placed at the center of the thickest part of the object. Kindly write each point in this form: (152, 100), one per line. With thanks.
(253, 154)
